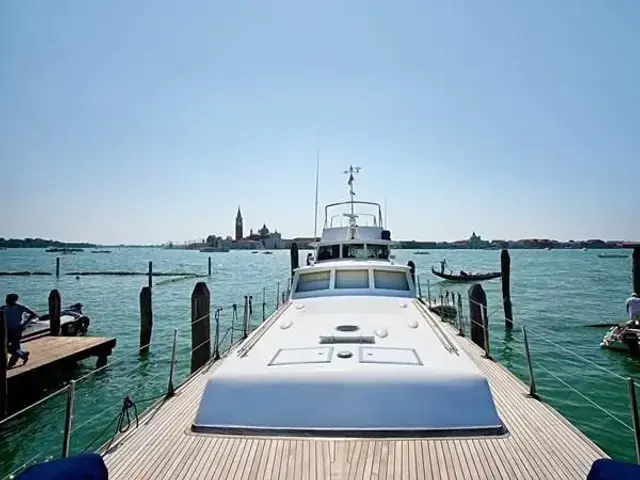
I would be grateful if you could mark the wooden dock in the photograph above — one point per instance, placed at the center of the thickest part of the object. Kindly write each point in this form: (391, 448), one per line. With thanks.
(51, 354)
(541, 444)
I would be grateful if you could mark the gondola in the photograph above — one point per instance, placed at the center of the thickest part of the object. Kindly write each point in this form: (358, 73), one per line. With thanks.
(467, 278)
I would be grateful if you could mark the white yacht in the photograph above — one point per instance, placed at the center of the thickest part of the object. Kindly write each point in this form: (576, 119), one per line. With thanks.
(352, 377)
(353, 353)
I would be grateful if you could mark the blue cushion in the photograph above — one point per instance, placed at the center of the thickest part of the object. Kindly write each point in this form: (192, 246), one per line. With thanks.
(83, 467)
(605, 469)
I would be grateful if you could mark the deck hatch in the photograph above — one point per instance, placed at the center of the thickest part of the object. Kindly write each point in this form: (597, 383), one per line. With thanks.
(395, 356)
(292, 356)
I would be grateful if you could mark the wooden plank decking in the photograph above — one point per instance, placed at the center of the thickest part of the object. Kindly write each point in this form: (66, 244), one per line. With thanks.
(541, 445)
(49, 352)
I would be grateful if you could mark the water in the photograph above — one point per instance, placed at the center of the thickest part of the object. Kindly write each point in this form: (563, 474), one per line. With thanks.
(555, 293)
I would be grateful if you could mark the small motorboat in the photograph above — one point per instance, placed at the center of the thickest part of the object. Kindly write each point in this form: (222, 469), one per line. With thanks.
(467, 277)
(72, 323)
(267, 253)
(421, 252)
(620, 336)
(100, 251)
(612, 255)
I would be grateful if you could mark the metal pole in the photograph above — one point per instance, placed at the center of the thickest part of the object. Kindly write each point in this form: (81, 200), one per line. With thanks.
(66, 439)
(278, 296)
(172, 366)
(264, 303)
(460, 317)
(250, 313)
(419, 287)
(634, 416)
(429, 291)
(485, 326)
(216, 317)
(150, 275)
(527, 353)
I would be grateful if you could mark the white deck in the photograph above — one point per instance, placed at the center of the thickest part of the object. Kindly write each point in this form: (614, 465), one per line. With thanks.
(404, 375)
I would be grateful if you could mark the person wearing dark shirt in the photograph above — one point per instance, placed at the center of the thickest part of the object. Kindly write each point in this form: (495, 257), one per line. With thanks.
(12, 312)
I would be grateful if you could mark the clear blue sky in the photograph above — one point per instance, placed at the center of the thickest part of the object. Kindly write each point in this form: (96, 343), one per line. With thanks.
(147, 121)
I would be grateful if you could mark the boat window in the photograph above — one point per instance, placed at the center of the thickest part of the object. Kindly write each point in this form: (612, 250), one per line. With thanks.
(387, 280)
(329, 252)
(354, 251)
(352, 279)
(378, 251)
(311, 281)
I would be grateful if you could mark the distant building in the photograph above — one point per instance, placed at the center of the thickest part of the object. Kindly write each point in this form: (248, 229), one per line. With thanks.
(239, 224)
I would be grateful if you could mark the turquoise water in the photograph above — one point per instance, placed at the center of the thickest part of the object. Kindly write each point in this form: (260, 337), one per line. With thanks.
(554, 293)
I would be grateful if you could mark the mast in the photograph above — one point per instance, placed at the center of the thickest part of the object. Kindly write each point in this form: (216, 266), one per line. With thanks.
(315, 216)
(352, 170)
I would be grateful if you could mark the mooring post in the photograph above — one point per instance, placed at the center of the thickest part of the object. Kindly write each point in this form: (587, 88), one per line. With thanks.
(505, 268)
(146, 319)
(633, 403)
(429, 291)
(54, 312)
(294, 257)
(4, 397)
(635, 270)
(478, 315)
(200, 326)
(460, 317)
(234, 317)
(245, 317)
(527, 354)
(172, 366)
(150, 274)
(66, 438)
(209, 266)
(412, 269)
(57, 267)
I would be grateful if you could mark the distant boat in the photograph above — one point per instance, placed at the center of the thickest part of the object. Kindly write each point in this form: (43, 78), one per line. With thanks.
(255, 251)
(612, 255)
(214, 249)
(63, 250)
(100, 251)
(421, 252)
(267, 253)
(470, 277)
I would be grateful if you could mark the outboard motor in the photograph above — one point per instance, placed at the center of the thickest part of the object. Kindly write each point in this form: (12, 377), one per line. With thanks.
(385, 235)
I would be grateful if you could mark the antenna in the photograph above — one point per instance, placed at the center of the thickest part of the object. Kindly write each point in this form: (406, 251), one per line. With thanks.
(350, 182)
(315, 216)
(385, 213)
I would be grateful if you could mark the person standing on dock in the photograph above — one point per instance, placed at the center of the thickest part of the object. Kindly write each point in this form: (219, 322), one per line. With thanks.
(13, 312)
(633, 308)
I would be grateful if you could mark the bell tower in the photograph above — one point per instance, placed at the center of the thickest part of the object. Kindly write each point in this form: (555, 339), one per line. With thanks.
(239, 224)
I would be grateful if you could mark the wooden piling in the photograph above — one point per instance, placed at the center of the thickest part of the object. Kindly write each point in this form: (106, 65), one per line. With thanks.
(294, 257)
(57, 267)
(505, 268)
(55, 306)
(4, 400)
(209, 270)
(146, 319)
(150, 275)
(200, 326)
(412, 268)
(478, 315)
(635, 270)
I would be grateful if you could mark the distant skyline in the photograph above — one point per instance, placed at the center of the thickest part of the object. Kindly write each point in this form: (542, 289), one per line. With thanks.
(149, 121)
